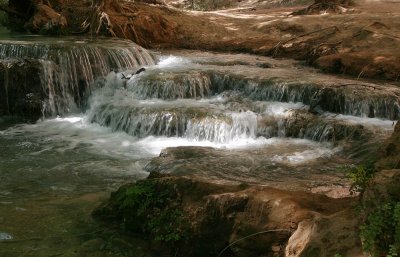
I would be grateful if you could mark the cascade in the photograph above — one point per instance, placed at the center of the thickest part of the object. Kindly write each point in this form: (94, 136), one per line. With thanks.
(201, 106)
(104, 124)
(350, 99)
(68, 67)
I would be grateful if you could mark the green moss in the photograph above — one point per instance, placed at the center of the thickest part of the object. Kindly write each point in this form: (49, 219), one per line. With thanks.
(154, 209)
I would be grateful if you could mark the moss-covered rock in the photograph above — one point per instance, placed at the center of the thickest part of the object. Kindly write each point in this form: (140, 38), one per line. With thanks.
(187, 217)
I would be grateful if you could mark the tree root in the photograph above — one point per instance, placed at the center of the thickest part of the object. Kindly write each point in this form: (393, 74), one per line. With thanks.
(277, 47)
(255, 234)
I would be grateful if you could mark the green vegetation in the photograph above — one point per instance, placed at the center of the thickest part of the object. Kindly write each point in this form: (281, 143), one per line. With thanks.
(153, 209)
(380, 233)
(360, 176)
(380, 227)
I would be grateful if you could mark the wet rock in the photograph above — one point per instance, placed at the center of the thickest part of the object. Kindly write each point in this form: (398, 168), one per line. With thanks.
(21, 93)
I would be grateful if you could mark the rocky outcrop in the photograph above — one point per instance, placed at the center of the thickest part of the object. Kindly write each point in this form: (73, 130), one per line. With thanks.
(223, 220)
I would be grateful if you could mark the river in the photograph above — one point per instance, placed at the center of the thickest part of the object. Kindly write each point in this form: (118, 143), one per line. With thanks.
(260, 121)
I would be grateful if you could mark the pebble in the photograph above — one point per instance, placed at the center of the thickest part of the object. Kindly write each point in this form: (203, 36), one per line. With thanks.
(5, 236)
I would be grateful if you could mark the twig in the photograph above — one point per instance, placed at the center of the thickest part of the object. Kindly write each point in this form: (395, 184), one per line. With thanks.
(255, 234)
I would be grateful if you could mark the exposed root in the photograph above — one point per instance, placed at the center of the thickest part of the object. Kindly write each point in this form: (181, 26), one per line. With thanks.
(333, 6)
(321, 50)
(275, 50)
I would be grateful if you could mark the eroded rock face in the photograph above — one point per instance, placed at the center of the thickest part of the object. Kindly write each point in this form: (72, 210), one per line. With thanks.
(256, 221)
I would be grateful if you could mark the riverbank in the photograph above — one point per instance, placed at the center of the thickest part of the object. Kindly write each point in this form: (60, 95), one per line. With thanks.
(360, 40)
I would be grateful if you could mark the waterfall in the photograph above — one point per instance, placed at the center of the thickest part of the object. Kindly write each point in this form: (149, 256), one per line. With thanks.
(143, 118)
(350, 99)
(233, 127)
(167, 85)
(69, 66)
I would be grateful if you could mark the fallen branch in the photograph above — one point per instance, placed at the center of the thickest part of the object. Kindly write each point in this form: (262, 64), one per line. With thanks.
(255, 234)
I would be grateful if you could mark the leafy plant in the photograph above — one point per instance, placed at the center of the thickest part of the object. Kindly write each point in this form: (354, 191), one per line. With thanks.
(360, 176)
(380, 232)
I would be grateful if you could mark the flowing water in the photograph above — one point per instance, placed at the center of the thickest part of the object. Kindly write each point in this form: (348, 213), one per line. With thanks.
(102, 124)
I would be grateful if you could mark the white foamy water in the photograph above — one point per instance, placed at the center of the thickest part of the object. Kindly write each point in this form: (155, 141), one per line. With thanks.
(173, 62)
(368, 122)
(282, 109)
(73, 133)
(306, 155)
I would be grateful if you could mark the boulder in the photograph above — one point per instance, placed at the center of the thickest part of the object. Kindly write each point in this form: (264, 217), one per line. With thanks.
(200, 218)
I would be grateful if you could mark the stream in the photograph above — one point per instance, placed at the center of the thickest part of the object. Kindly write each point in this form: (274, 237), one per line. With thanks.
(228, 118)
